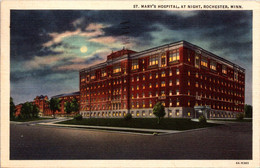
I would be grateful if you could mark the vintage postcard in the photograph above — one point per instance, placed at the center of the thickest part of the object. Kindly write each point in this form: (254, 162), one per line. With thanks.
(129, 84)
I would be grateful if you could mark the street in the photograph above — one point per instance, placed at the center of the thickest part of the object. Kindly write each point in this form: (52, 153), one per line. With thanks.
(35, 142)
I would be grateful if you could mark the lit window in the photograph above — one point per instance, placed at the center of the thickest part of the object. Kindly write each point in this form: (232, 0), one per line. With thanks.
(204, 62)
(150, 76)
(197, 61)
(132, 96)
(143, 86)
(156, 76)
(163, 103)
(177, 71)
(163, 84)
(163, 74)
(188, 82)
(197, 74)
(150, 85)
(137, 87)
(163, 60)
(177, 112)
(132, 88)
(163, 93)
(137, 114)
(137, 95)
(150, 103)
(177, 92)
(143, 103)
(93, 75)
(117, 69)
(177, 81)
(170, 73)
(213, 65)
(143, 77)
(197, 84)
(177, 102)
(137, 78)
(150, 94)
(188, 103)
(137, 104)
(188, 73)
(188, 92)
(174, 56)
(103, 73)
(188, 113)
(143, 94)
(153, 60)
(170, 82)
(224, 69)
(135, 65)
(170, 92)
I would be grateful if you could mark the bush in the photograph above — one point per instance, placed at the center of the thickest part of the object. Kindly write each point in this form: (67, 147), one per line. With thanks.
(240, 116)
(128, 116)
(78, 117)
(202, 119)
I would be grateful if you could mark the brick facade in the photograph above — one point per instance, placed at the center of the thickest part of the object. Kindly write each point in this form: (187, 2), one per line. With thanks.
(180, 75)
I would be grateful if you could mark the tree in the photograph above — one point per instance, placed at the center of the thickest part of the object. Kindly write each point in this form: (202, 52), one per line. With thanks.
(75, 105)
(159, 111)
(35, 111)
(68, 107)
(54, 105)
(248, 111)
(12, 108)
(26, 110)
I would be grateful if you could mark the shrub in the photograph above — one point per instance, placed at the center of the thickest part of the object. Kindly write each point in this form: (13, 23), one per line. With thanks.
(202, 119)
(128, 116)
(78, 117)
(240, 116)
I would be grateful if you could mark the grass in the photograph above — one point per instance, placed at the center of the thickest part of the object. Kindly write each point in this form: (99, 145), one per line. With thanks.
(29, 119)
(147, 123)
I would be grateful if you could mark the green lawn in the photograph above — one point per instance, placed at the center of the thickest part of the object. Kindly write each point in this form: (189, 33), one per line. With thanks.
(149, 123)
(30, 119)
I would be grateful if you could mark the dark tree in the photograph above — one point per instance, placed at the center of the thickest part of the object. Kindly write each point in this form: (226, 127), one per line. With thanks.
(75, 105)
(68, 107)
(26, 110)
(12, 108)
(54, 105)
(159, 111)
(248, 111)
(35, 111)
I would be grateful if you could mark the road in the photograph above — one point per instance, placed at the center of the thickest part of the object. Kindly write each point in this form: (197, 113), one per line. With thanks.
(35, 142)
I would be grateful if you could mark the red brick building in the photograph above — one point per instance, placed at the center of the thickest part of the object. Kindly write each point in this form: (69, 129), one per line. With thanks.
(18, 110)
(42, 103)
(180, 75)
(67, 97)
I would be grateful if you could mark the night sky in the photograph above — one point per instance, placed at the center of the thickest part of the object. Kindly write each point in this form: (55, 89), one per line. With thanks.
(49, 47)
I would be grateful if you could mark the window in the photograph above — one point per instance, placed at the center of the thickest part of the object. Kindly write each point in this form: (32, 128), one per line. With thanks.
(174, 56)
(188, 102)
(137, 87)
(170, 92)
(213, 65)
(132, 96)
(163, 74)
(170, 73)
(163, 60)
(170, 82)
(143, 103)
(163, 93)
(197, 74)
(177, 112)
(204, 62)
(150, 103)
(143, 86)
(197, 84)
(163, 84)
(117, 69)
(236, 76)
(103, 73)
(93, 75)
(177, 81)
(153, 60)
(188, 114)
(143, 95)
(197, 61)
(135, 64)
(133, 105)
(188, 73)
(177, 102)
(156, 75)
(132, 88)
(150, 85)
(224, 69)
(177, 71)
(150, 76)
(177, 92)
(137, 104)
(150, 94)
(156, 93)
(143, 77)
(188, 92)
(137, 78)
(188, 82)
(137, 95)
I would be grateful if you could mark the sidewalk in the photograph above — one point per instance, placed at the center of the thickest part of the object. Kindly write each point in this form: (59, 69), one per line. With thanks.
(114, 129)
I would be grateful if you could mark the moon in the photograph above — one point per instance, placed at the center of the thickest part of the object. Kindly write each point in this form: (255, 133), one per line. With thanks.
(83, 49)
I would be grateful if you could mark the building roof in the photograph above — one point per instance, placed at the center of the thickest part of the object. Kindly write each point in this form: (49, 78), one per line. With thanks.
(66, 94)
(183, 42)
